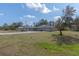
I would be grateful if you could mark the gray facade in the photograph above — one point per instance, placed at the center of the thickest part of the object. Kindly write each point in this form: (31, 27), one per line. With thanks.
(40, 28)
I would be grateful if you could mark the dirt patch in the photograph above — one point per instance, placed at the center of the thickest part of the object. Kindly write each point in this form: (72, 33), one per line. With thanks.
(8, 51)
(66, 40)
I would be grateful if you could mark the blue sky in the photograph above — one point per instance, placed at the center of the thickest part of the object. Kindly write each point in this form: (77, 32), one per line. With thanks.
(32, 12)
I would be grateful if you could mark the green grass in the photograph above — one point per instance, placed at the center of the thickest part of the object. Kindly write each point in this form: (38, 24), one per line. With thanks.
(34, 44)
(65, 50)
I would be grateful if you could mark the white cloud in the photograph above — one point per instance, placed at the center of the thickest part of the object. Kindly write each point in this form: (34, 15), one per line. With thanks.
(29, 16)
(56, 18)
(38, 7)
(55, 9)
(45, 9)
(1, 14)
(21, 17)
(74, 17)
(77, 10)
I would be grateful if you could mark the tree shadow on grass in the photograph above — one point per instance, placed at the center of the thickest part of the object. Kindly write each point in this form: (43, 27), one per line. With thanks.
(65, 39)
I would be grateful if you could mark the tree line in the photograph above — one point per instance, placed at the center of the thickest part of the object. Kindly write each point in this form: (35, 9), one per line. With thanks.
(15, 25)
(12, 26)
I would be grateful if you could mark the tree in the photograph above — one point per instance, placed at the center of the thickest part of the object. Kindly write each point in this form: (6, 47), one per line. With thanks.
(51, 23)
(68, 13)
(76, 22)
(66, 19)
(41, 22)
(13, 26)
(0, 27)
(5, 26)
(19, 24)
(59, 25)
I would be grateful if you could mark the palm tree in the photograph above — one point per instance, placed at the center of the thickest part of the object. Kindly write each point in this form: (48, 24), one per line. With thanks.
(68, 13)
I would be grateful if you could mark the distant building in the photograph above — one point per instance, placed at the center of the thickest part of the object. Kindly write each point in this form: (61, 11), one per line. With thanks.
(40, 28)
(75, 27)
(45, 28)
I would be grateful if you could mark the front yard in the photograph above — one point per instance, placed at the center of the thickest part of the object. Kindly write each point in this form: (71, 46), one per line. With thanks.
(33, 44)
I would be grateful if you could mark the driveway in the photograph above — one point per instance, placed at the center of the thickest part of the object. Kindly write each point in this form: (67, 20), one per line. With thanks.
(12, 33)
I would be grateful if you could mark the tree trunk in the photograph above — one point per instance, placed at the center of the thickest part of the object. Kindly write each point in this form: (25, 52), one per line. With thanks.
(60, 32)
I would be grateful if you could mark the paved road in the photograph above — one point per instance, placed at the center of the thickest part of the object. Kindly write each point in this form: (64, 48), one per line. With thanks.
(12, 33)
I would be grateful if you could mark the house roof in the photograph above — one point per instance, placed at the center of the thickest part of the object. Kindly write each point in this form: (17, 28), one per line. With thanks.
(45, 26)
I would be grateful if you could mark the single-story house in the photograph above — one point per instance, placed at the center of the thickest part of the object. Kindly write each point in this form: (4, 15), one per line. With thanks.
(75, 27)
(45, 28)
(40, 28)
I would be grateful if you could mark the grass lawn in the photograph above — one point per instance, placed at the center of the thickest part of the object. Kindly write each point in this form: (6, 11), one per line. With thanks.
(41, 44)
